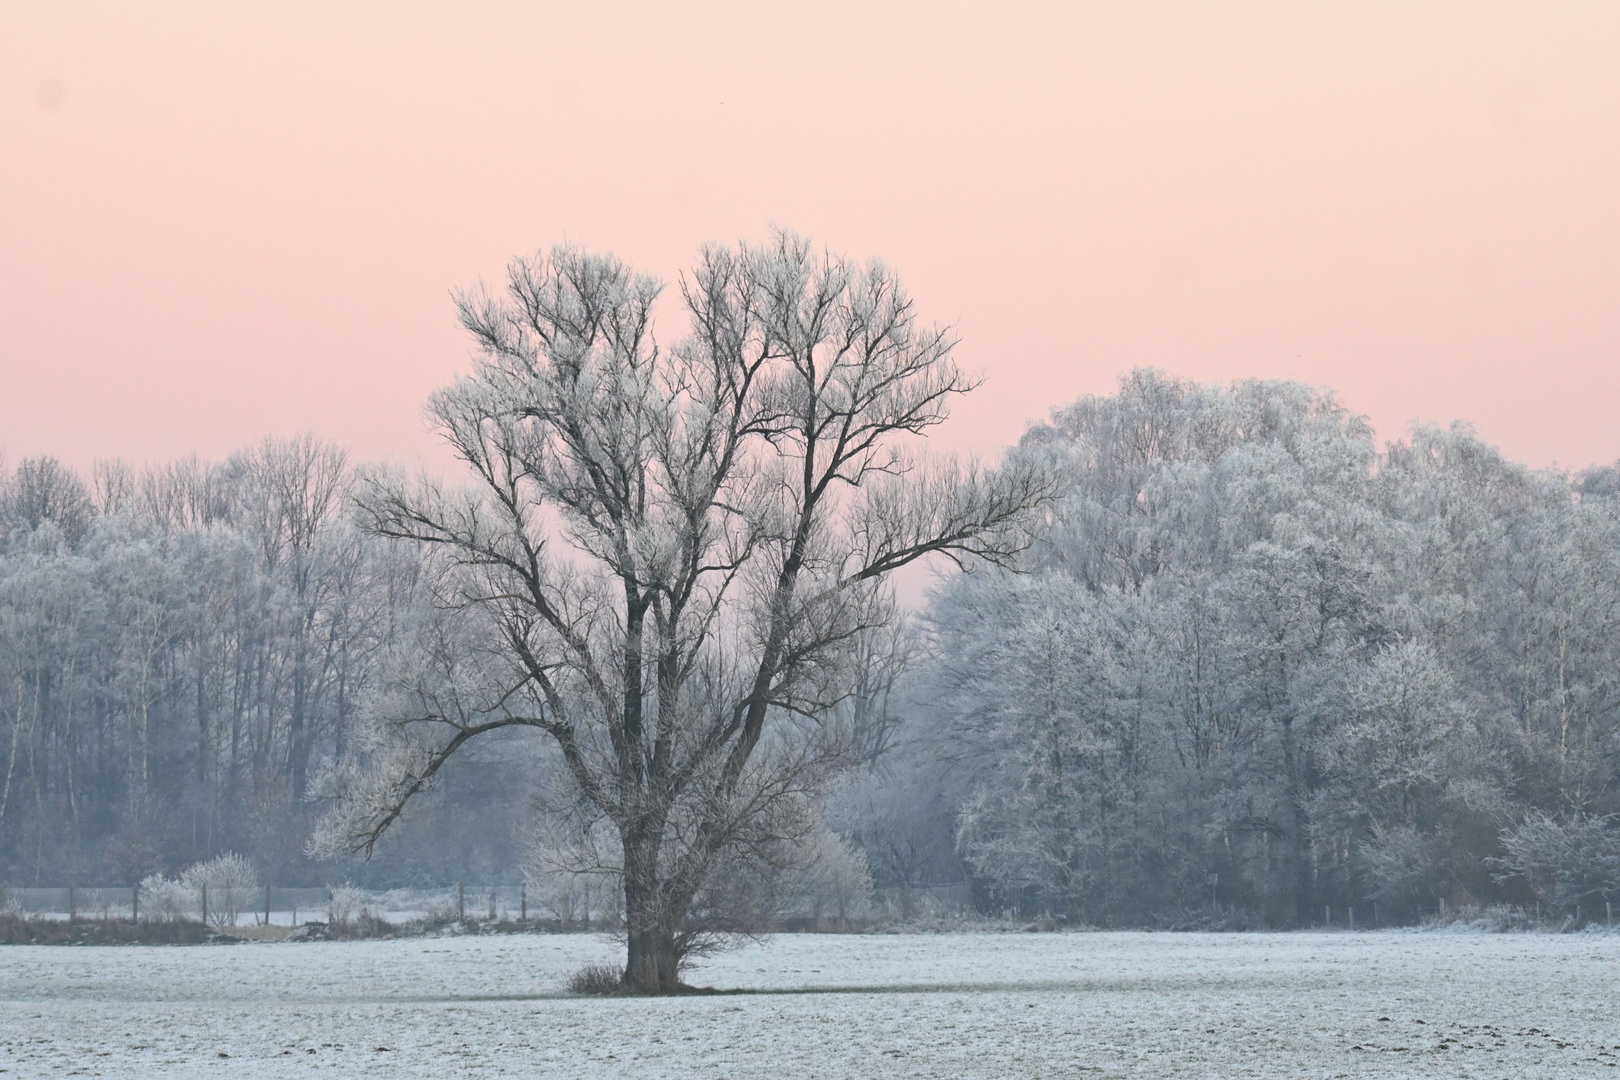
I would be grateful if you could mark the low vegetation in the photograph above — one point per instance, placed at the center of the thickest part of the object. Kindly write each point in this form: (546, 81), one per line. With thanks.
(20, 929)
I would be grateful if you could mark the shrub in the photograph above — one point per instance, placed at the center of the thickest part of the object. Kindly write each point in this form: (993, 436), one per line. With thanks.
(1407, 868)
(1567, 864)
(17, 929)
(596, 979)
(231, 882)
(164, 900)
(346, 903)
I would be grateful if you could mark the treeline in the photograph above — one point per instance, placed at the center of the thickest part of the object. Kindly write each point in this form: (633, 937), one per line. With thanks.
(182, 649)
(1257, 666)
(1254, 669)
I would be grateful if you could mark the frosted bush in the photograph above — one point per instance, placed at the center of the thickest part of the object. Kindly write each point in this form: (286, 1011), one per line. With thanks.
(164, 899)
(1408, 868)
(837, 882)
(346, 903)
(1568, 864)
(231, 882)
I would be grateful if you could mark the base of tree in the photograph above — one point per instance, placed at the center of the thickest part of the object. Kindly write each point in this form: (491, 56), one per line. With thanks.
(606, 980)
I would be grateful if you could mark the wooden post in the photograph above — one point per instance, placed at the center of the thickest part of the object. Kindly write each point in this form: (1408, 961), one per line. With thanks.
(205, 904)
(73, 903)
(2, 896)
(1327, 914)
(1352, 918)
(523, 902)
(461, 902)
(267, 903)
(135, 903)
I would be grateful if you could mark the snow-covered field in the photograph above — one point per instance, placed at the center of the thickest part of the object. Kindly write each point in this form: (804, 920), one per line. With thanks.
(958, 1005)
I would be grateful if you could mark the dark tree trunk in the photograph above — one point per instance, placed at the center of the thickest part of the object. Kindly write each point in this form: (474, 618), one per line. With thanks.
(652, 965)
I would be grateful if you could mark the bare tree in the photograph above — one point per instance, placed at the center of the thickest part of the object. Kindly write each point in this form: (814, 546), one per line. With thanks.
(298, 489)
(670, 553)
(44, 490)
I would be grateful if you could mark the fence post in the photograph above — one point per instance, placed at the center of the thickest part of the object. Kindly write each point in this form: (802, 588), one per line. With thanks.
(205, 903)
(135, 903)
(267, 903)
(1327, 914)
(73, 903)
(523, 902)
(1352, 918)
(461, 901)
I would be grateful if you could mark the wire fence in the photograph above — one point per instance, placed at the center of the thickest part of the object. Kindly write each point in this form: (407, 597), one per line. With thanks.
(267, 905)
(263, 905)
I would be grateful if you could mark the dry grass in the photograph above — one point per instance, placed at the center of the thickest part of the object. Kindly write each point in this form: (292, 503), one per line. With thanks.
(596, 979)
(18, 929)
(258, 933)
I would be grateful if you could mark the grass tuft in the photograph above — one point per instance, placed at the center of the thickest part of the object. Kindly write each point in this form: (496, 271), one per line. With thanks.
(596, 979)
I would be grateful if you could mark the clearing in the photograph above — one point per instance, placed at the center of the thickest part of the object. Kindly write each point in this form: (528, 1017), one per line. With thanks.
(1388, 1003)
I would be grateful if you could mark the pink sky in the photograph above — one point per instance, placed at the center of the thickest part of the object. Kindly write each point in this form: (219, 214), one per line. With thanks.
(219, 221)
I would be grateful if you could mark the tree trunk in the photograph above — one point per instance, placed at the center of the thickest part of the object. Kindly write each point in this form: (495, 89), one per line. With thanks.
(651, 966)
(652, 963)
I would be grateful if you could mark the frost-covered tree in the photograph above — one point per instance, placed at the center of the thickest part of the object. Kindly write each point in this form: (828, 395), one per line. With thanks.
(43, 490)
(835, 882)
(1566, 863)
(1292, 673)
(174, 649)
(1253, 668)
(225, 884)
(1046, 808)
(669, 553)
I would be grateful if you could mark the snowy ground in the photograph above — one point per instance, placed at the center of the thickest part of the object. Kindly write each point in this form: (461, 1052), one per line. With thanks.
(966, 1005)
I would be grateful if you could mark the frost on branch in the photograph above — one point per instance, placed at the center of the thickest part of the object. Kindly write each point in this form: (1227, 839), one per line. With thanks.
(669, 556)
(370, 788)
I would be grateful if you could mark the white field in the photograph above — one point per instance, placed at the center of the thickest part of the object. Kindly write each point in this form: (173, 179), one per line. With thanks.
(953, 1005)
